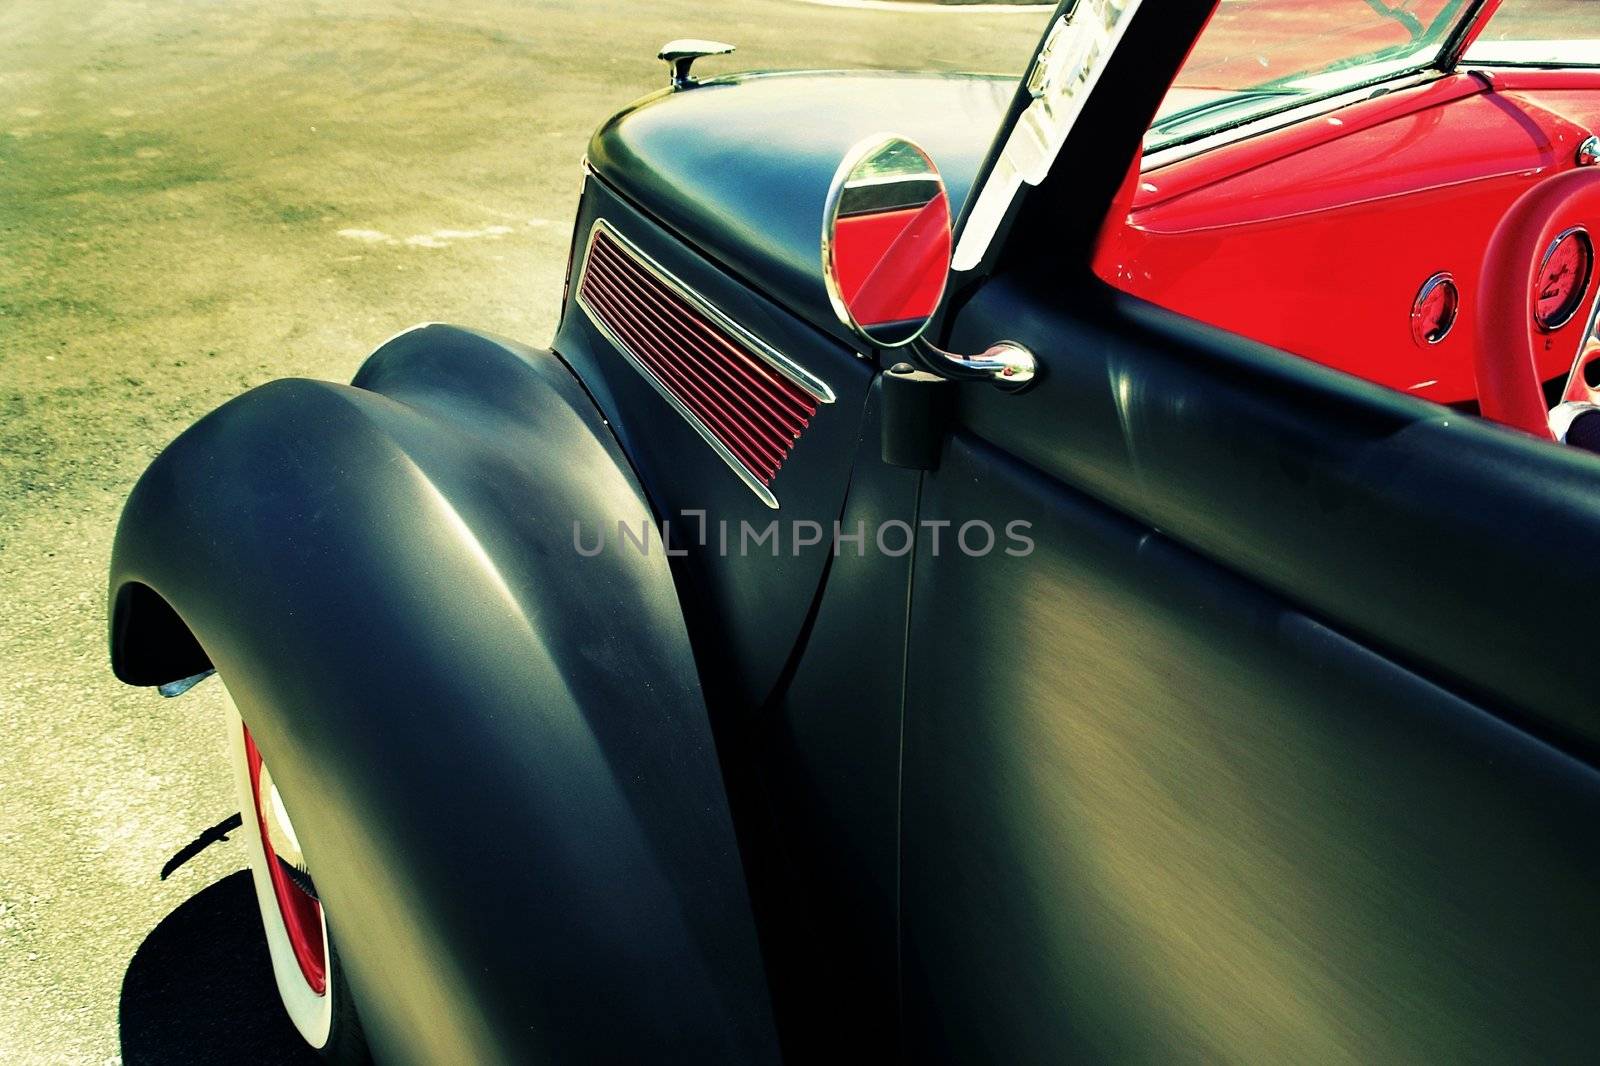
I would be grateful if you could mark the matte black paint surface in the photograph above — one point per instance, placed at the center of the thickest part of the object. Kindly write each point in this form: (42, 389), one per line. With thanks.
(1279, 746)
(1154, 813)
(496, 750)
(757, 595)
(1454, 545)
(741, 165)
(832, 750)
(1229, 768)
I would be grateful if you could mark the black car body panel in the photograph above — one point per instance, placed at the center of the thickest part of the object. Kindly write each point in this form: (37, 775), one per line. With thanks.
(1279, 746)
(534, 852)
(1376, 510)
(829, 746)
(780, 634)
(757, 597)
(1206, 825)
(1239, 778)
(741, 165)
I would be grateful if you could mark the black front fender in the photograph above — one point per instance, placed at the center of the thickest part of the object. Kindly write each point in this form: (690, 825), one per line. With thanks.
(496, 748)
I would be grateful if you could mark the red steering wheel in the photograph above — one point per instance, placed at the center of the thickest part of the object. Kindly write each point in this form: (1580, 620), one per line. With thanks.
(1558, 218)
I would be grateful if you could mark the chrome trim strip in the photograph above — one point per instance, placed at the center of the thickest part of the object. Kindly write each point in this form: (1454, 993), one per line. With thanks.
(745, 474)
(817, 389)
(796, 373)
(1176, 153)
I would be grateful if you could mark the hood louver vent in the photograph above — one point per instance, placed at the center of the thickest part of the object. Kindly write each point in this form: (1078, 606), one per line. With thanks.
(749, 402)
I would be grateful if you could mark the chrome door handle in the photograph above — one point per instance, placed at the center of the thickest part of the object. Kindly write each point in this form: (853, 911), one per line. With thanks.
(1006, 365)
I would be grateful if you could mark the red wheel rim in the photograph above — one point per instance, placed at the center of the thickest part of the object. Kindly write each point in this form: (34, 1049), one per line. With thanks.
(300, 911)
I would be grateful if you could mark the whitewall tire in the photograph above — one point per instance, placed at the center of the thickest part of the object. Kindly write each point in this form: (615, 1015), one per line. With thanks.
(304, 964)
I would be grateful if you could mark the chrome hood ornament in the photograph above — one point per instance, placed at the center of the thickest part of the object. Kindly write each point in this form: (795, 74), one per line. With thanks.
(679, 56)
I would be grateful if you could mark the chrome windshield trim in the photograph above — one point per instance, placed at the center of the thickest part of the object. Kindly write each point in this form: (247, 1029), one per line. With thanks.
(1277, 120)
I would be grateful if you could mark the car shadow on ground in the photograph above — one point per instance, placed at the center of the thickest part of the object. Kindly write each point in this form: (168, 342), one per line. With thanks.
(199, 989)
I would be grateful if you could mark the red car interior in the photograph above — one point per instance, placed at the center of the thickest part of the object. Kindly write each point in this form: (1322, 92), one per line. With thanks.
(1319, 237)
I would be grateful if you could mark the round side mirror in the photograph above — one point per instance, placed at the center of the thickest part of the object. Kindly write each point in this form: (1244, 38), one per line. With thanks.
(886, 241)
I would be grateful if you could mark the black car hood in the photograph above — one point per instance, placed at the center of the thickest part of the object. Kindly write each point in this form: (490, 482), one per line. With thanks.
(740, 166)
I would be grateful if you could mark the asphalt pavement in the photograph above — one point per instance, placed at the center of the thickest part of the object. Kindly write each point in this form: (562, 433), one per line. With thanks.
(196, 198)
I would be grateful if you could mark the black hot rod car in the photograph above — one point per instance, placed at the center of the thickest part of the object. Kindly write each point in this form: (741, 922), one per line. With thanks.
(829, 652)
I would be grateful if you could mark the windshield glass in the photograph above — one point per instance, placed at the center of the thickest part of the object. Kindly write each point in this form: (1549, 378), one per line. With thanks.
(1261, 56)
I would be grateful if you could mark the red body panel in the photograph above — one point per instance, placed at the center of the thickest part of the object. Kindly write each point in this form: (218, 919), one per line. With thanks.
(1317, 238)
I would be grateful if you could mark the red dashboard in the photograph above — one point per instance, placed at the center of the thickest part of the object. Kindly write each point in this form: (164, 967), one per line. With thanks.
(1322, 237)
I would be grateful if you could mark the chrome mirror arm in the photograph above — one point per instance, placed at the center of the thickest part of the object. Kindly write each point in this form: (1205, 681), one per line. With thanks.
(1006, 365)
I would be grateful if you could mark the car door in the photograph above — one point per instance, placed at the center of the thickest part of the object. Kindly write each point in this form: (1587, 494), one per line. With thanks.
(1272, 737)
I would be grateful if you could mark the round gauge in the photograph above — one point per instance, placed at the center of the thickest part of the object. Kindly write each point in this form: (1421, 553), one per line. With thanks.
(1563, 279)
(1435, 310)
